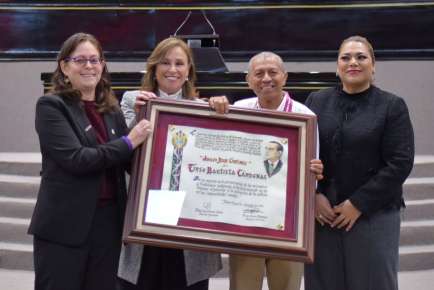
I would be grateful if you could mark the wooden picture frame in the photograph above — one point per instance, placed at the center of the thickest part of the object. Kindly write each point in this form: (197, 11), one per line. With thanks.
(293, 239)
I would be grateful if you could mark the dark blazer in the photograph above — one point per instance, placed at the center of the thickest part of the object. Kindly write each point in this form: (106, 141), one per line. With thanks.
(72, 167)
(270, 170)
(366, 145)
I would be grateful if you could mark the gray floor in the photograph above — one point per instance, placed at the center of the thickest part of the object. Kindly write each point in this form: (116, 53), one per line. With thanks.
(23, 280)
(416, 249)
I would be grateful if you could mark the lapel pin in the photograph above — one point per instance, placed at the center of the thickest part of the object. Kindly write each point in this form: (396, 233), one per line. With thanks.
(88, 128)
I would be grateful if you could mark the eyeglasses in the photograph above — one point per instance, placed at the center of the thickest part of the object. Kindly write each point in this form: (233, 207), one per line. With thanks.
(83, 61)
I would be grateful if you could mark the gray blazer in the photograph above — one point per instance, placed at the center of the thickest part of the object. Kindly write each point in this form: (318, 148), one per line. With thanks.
(127, 106)
(198, 265)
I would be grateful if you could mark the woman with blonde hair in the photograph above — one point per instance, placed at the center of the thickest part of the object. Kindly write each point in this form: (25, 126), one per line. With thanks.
(170, 74)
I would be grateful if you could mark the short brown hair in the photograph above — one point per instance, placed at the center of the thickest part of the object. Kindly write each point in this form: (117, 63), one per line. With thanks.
(149, 81)
(105, 99)
(361, 39)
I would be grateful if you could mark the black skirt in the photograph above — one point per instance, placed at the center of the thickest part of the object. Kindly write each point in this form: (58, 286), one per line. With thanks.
(162, 269)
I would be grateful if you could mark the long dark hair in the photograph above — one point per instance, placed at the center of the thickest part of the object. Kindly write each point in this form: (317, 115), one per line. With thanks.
(105, 99)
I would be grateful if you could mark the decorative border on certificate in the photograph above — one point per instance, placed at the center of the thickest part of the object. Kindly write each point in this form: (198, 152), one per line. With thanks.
(235, 183)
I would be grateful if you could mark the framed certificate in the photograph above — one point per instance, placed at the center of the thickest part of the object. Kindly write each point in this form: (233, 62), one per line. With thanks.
(231, 183)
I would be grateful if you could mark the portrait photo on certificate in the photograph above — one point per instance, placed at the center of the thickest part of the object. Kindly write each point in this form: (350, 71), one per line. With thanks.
(220, 181)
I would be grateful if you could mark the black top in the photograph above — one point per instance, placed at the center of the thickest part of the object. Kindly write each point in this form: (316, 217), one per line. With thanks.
(73, 163)
(366, 145)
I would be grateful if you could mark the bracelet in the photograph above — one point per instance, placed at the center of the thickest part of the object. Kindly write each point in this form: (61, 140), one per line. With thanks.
(128, 141)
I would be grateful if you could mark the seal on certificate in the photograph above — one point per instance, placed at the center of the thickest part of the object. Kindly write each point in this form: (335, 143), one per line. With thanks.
(179, 140)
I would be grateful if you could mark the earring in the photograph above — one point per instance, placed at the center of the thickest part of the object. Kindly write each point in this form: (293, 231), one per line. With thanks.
(186, 78)
(66, 80)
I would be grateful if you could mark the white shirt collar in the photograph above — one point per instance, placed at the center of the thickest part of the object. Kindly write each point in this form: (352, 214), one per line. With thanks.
(286, 102)
(175, 96)
(273, 164)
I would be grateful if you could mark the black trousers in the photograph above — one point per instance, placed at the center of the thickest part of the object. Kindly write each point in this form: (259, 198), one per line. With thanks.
(162, 269)
(91, 266)
(365, 258)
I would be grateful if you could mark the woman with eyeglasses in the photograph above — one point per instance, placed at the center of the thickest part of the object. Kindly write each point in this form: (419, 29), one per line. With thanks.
(170, 74)
(86, 148)
(367, 148)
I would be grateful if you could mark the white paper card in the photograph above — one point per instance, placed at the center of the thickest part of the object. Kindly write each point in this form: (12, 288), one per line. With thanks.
(164, 206)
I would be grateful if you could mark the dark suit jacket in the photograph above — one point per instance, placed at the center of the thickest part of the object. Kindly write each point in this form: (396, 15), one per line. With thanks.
(72, 167)
(271, 171)
(366, 145)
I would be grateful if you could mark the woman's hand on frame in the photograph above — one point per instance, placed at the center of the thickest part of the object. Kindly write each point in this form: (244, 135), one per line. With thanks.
(142, 98)
(140, 132)
(317, 168)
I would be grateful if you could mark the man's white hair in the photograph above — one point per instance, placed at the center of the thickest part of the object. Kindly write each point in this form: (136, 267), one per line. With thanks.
(265, 55)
